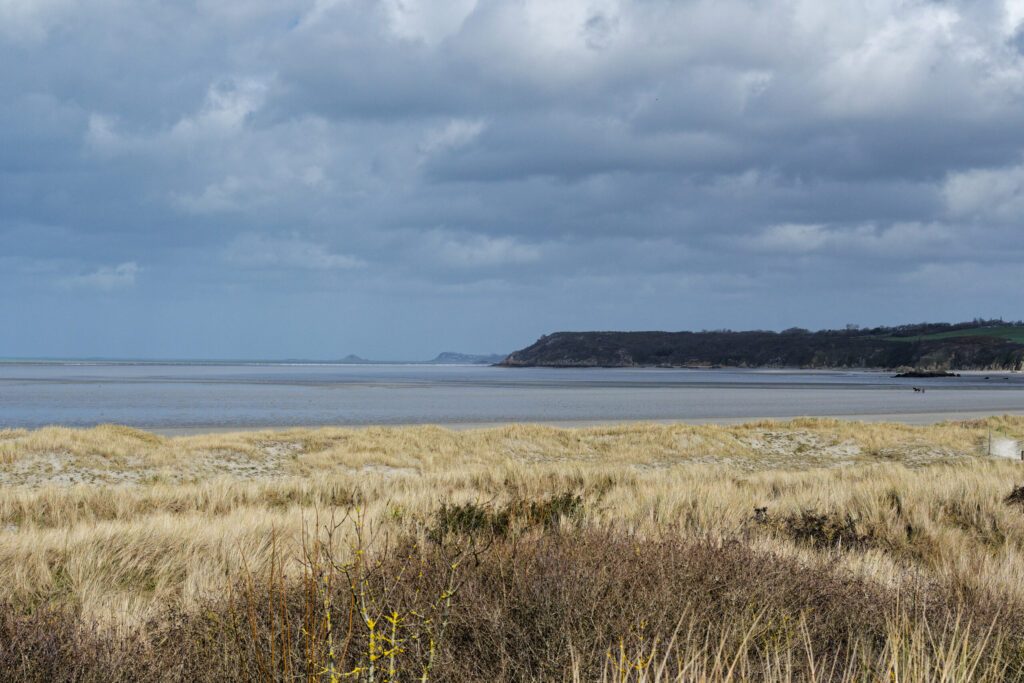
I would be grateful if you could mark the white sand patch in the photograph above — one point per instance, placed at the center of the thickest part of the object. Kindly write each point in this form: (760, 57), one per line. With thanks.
(58, 469)
(1005, 448)
(801, 443)
(389, 471)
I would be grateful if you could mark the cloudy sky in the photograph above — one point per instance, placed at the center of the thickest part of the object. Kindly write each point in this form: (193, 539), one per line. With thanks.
(394, 178)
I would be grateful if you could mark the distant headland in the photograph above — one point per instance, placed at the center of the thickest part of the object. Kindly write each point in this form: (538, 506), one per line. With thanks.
(976, 345)
(443, 358)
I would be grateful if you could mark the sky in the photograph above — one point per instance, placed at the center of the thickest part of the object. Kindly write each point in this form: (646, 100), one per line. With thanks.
(396, 178)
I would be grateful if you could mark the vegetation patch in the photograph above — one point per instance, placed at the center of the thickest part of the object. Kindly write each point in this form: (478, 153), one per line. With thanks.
(618, 553)
(817, 530)
(1016, 496)
(547, 606)
(475, 519)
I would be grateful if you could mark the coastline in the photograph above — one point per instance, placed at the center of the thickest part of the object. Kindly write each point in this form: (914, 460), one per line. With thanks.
(190, 400)
(907, 418)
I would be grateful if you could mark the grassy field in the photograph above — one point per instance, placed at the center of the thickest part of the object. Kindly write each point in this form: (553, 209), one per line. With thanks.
(811, 549)
(1012, 332)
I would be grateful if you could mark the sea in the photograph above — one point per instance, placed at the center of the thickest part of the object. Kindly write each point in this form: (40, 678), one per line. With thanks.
(189, 396)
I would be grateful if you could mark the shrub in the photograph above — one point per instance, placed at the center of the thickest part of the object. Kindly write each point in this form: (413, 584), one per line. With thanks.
(1016, 496)
(543, 605)
(475, 519)
(818, 530)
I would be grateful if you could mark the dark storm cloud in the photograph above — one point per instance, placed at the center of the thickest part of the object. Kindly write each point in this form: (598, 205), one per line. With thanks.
(416, 175)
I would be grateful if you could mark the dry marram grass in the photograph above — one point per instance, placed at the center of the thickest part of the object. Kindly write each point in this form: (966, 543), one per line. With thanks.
(121, 528)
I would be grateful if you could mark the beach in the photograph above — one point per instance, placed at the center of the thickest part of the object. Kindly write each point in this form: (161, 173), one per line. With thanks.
(207, 397)
(203, 521)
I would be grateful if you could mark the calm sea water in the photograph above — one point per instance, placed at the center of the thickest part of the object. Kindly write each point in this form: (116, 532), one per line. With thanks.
(214, 395)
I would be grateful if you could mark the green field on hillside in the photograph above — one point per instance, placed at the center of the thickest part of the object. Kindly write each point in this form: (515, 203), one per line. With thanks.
(1014, 333)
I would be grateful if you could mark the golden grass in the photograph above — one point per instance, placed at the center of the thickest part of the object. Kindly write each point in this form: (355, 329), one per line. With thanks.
(115, 454)
(120, 525)
(118, 522)
(911, 652)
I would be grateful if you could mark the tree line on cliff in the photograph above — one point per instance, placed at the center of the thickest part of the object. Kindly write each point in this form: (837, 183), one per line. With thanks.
(979, 344)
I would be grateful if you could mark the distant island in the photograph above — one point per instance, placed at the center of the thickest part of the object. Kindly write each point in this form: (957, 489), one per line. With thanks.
(455, 358)
(443, 358)
(938, 347)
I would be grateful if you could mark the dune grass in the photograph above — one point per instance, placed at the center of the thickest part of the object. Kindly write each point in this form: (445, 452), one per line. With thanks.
(115, 454)
(895, 548)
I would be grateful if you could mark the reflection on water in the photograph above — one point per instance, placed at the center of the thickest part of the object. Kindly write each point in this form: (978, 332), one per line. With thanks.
(171, 395)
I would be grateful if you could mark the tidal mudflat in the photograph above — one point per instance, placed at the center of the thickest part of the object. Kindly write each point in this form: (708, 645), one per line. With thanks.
(201, 397)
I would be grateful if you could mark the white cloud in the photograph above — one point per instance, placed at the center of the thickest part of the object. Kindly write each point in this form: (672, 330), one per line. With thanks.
(258, 186)
(454, 134)
(548, 139)
(478, 251)
(260, 251)
(792, 237)
(549, 44)
(228, 194)
(1013, 16)
(894, 240)
(889, 67)
(101, 136)
(430, 22)
(104, 278)
(224, 113)
(232, 165)
(561, 28)
(30, 21)
(993, 194)
(227, 107)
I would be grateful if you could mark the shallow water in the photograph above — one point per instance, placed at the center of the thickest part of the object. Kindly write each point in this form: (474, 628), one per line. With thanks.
(242, 395)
